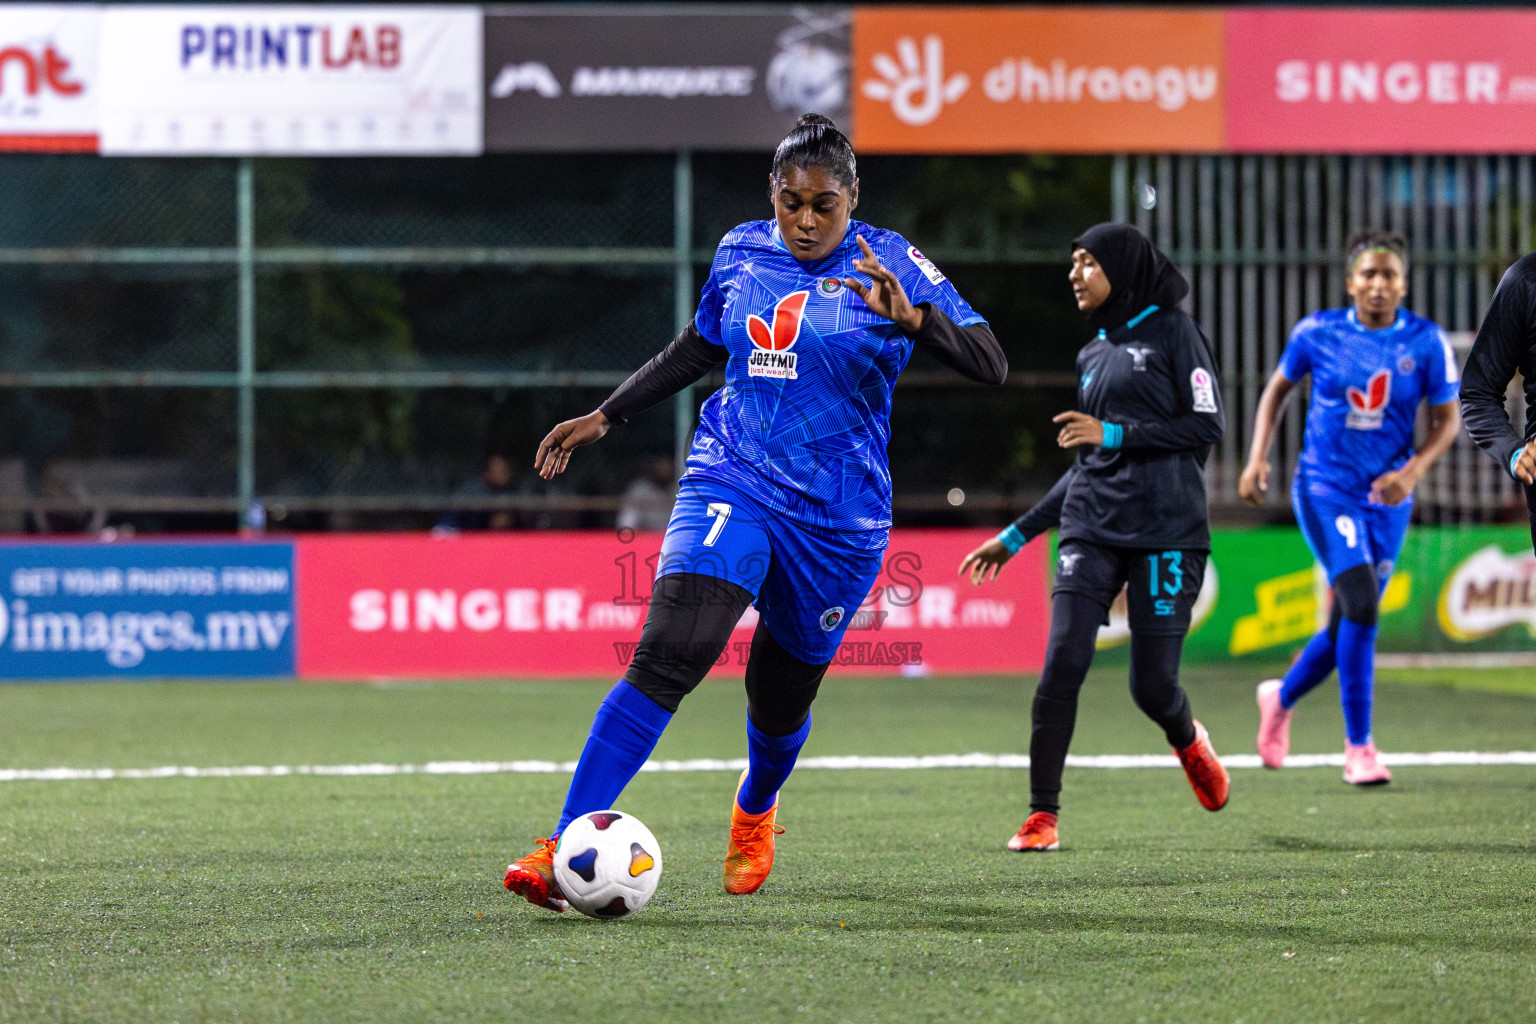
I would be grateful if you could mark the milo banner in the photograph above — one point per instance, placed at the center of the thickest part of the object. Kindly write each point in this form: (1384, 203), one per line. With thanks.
(1453, 590)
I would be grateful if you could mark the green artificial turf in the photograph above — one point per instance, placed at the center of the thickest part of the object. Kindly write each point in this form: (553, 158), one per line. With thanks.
(378, 899)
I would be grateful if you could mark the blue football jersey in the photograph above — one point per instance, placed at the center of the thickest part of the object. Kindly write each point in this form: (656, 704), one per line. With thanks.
(804, 417)
(1366, 389)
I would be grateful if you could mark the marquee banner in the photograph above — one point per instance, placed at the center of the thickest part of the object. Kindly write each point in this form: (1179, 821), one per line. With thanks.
(628, 78)
(317, 81)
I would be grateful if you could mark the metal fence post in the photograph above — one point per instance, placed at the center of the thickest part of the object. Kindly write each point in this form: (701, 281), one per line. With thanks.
(1120, 189)
(245, 242)
(682, 295)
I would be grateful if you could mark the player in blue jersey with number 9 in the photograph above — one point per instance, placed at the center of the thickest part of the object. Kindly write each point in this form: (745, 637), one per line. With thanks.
(786, 499)
(1371, 366)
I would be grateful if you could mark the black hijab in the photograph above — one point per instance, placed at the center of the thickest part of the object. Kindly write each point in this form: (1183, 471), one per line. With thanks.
(1139, 274)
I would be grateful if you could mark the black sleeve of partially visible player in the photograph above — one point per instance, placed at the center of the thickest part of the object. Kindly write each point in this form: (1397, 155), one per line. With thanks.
(1046, 513)
(1503, 345)
(689, 357)
(972, 351)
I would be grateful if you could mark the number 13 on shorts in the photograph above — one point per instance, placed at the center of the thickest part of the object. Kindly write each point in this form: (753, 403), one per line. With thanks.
(720, 512)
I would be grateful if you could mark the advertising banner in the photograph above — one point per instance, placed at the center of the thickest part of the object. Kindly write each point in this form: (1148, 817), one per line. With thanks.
(1060, 80)
(572, 604)
(1381, 81)
(257, 80)
(624, 78)
(146, 609)
(48, 77)
(1453, 590)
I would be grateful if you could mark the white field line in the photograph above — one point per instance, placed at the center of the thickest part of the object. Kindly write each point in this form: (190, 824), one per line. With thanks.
(1435, 759)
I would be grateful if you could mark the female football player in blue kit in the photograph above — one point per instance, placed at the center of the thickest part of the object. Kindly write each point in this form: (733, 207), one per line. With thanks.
(786, 499)
(1371, 366)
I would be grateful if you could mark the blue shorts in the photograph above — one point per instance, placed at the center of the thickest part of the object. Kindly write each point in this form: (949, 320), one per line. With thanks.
(807, 585)
(1344, 534)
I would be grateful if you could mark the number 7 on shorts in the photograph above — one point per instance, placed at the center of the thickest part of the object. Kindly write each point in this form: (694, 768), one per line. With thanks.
(722, 512)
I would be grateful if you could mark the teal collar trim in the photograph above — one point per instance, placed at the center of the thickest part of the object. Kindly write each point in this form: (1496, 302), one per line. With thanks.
(1139, 317)
(1132, 322)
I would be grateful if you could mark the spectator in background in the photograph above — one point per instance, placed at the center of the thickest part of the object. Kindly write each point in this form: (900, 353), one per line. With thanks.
(496, 478)
(648, 499)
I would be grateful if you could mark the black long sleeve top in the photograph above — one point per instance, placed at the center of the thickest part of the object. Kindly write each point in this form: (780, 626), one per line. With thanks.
(1153, 384)
(972, 351)
(1505, 343)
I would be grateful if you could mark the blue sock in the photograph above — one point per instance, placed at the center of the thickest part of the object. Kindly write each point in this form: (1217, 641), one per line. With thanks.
(624, 732)
(1311, 668)
(1357, 676)
(770, 759)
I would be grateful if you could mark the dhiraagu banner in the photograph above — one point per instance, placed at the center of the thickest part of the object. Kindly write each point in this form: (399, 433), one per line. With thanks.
(1453, 589)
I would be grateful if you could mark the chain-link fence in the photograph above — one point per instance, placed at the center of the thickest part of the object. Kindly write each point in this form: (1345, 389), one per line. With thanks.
(381, 343)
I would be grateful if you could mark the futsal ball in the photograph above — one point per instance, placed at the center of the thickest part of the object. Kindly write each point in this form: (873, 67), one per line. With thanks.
(607, 864)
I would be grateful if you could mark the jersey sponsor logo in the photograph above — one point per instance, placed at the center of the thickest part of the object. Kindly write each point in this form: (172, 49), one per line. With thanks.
(1202, 389)
(1368, 407)
(771, 356)
(931, 272)
(1139, 355)
(831, 617)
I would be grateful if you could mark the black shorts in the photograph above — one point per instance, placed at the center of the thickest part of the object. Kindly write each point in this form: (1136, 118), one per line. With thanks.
(1161, 586)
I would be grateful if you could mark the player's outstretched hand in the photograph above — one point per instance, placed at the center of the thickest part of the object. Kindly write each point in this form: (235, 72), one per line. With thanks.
(555, 450)
(1254, 482)
(985, 562)
(1525, 466)
(1077, 429)
(884, 293)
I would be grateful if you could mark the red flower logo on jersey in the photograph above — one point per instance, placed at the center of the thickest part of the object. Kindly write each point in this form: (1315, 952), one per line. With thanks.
(771, 355)
(1366, 408)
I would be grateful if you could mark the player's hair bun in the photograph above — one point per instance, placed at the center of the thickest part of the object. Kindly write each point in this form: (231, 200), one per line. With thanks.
(811, 117)
(815, 141)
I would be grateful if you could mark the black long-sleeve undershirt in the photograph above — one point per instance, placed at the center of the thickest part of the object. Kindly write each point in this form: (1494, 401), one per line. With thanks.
(1505, 344)
(972, 351)
(688, 357)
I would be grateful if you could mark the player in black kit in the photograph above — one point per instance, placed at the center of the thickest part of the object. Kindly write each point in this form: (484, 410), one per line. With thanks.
(1505, 344)
(1131, 510)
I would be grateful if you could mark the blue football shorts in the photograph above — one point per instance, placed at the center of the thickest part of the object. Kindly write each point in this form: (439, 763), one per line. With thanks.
(1344, 534)
(807, 585)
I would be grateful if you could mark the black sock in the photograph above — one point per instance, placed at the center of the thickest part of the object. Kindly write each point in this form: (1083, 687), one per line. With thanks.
(1155, 686)
(1054, 719)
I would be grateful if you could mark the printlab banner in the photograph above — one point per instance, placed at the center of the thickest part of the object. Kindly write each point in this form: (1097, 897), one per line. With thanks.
(572, 604)
(624, 78)
(146, 609)
(48, 78)
(333, 81)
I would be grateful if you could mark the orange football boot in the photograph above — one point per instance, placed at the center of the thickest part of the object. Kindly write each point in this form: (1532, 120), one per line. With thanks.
(749, 852)
(1207, 776)
(1036, 835)
(533, 877)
